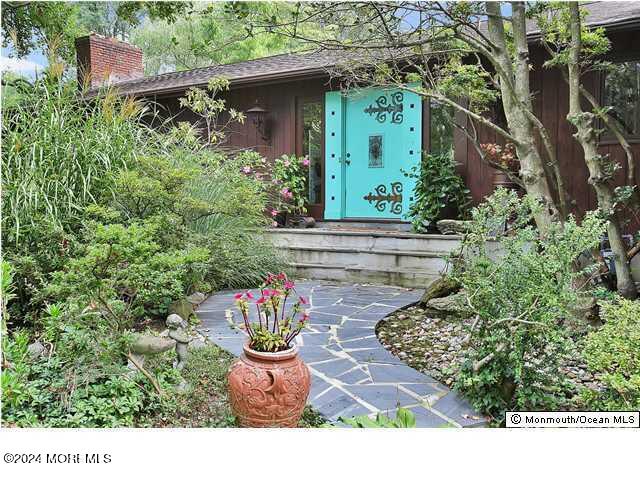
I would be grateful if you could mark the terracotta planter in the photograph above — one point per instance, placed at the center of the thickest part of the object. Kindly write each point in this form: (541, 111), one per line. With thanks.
(501, 179)
(269, 389)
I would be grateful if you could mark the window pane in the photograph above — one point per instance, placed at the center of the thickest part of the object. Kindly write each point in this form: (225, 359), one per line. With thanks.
(312, 148)
(375, 151)
(440, 128)
(622, 92)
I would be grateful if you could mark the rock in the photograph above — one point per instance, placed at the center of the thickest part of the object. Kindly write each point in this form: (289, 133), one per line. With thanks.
(150, 344)
(453, 304)
(439, 288)
(196, 343)
(453, 227)
(196, 298)
(175, 321)
(300, 221)
(36, 350)
(183, 308)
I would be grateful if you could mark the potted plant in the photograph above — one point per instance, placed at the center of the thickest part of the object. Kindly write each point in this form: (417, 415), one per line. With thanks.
(289, 179)
(505, 163)
(269, 383)
(439, 192)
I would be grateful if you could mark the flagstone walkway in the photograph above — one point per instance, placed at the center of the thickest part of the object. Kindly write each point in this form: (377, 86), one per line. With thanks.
(352, 373)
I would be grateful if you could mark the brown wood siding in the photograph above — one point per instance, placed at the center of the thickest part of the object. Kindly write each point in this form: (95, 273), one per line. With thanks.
(551, 103)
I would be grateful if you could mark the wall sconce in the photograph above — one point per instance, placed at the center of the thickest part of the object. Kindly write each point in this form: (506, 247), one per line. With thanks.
(258, 116)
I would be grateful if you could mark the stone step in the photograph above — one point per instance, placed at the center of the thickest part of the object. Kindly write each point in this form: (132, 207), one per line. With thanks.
(401, 277)
(363, 225)
(428, 262)
(363, 240)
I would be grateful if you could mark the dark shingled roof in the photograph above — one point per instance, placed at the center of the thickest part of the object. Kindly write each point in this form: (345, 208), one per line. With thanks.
(276, 67)
(290, 66)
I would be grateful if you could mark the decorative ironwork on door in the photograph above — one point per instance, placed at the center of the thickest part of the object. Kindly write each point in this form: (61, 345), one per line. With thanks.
(383, 107)
(382, 199)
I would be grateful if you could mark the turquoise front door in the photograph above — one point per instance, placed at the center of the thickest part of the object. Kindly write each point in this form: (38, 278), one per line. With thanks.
(373, 135)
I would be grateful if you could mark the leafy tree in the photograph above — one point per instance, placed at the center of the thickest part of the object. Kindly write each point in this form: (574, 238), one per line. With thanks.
(103, 18)
(30, 26)
(576, 50)
(211, 34)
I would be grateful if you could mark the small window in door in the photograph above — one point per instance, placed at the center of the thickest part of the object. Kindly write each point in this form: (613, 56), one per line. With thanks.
(375, 151)
(312, 148)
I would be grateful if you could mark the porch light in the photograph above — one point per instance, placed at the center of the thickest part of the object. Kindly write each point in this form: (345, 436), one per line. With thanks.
(258, 116)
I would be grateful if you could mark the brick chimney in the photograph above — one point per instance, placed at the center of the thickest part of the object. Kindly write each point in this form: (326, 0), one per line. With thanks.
(104, 60)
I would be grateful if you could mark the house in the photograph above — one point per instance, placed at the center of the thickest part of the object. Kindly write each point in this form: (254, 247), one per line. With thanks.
(358, 145)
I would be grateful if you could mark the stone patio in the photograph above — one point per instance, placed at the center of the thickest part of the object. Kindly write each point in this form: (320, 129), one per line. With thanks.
(352, 373)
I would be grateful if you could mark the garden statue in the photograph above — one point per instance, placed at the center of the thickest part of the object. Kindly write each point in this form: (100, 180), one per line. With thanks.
(177, 331)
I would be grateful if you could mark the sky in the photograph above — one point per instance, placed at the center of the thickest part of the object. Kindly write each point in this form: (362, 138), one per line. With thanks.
(27, 66)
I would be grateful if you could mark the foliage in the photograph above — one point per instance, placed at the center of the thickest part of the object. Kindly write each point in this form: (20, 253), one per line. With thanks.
(126, 271)
(276, 327)
(58, 161)
(211, 34)
(290, 177)
(82, 383)
(438, 186)
(105, 224)
(207, 105)
(6, 291)
(404, 419)
(613, 353)
(204, 402)
(522, 287)
(241, 259)
(29, 26)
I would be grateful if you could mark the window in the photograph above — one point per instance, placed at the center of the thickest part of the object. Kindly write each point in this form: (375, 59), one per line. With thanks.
(312, 147)
(622, 93)
(440, 128)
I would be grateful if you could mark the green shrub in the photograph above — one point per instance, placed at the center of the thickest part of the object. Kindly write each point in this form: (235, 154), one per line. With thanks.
(126, 272)
(84, 382)
(438, 188)
(205, 402)
(613, 354)
(521, 292)
(404, 419)
(106, 222)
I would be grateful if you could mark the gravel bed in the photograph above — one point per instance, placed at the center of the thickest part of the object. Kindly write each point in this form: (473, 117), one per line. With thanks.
(433, 345)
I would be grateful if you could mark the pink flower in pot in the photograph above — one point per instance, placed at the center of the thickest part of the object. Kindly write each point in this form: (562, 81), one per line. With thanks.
(305, 161)
(256, 380)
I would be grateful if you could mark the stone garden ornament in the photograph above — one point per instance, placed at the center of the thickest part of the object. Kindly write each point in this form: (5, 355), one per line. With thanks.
(269, 383)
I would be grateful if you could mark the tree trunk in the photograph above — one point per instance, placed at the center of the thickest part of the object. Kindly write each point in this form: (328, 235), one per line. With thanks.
(515, 101)
(598, 178)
